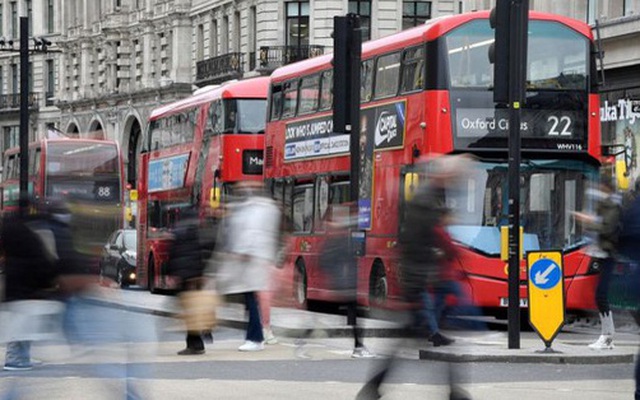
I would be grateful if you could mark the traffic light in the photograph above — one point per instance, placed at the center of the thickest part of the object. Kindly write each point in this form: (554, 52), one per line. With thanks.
(499, 19)
(347, 44)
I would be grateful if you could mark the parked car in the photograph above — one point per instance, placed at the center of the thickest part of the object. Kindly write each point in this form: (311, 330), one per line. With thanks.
(118, 260)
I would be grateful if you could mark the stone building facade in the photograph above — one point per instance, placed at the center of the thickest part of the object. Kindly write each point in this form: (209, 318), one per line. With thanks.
(122, 58)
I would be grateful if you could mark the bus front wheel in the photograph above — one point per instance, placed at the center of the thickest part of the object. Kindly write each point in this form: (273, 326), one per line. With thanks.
(379, 286)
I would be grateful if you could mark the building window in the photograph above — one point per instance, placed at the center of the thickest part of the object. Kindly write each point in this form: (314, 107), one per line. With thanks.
(253, 23)
(415, 13)
(1, 20)
(11, 138)
(236, 32)
(51, 80)
(1, 80)
(30, 16)
(363, 9)
(297, 24)
(50, 15)
(213, 38)
(200, 43)
(224, 48)
(14, 19)
(14, 79)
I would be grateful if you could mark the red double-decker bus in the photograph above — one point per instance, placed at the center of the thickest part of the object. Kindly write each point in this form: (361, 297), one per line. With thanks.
(85, 173)
(195, 149)
(426, 91)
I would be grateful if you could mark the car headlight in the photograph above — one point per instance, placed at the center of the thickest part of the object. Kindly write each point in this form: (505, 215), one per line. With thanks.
(129, 257)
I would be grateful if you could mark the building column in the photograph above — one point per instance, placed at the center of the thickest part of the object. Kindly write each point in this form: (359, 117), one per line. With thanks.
(181, 49)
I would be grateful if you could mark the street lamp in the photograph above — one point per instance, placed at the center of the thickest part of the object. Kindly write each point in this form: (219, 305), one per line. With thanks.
(40, 45)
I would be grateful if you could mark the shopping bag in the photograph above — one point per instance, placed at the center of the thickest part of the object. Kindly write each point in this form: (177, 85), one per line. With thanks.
(198, 309)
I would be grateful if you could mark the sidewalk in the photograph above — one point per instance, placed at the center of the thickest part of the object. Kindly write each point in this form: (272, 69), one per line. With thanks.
(570, 348)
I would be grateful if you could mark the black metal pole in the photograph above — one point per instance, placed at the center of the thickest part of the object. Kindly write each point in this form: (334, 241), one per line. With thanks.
(24, 114)
(519, 13)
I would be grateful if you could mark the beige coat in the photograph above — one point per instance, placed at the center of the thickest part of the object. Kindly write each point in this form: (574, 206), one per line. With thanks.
(251, 242)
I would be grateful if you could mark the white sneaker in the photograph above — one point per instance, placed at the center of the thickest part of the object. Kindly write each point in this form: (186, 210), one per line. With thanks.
(269, 338)
(604, 342)
(251, 346)
(362, 352)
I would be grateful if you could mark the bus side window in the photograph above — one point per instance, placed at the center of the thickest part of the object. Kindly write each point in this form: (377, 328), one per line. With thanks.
(413, 69)
(326, 90)
(387, 75)
(215, 115)
(275, 107)
(36, 162)
(290, 99)
(309, 91)
(366, 82)
(155, 214)
(322, 202)
(303, 208)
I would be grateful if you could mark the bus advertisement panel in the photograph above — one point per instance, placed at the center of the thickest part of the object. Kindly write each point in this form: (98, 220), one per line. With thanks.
(196, 148)
(428, 91)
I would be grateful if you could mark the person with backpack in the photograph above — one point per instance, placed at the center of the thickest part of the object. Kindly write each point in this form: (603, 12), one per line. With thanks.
(607, 226)
(30, 274)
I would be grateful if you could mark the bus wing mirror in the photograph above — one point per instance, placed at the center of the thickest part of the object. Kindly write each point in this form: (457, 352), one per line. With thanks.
(411, 182)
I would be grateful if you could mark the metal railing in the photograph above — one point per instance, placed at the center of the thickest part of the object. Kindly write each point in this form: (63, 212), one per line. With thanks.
(220, 68)
(272, 57)
(11, 101)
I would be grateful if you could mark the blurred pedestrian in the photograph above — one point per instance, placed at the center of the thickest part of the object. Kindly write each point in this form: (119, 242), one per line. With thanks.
(186, 263)
(422, 252)
(449, 284)
(30, 273)
(607, 225)
(339, 266)
(246, 261)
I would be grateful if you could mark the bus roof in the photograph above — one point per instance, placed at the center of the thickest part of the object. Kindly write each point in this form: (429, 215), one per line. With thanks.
(429, 31)
(253, 88)
(46, 142)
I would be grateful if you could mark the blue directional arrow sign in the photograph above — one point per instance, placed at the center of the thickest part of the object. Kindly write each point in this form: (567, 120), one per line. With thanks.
(545, 274)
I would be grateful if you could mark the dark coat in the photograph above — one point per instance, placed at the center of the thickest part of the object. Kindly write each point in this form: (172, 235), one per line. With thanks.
(610, 224)
(186, 259)
(420, 258)
(29, 271)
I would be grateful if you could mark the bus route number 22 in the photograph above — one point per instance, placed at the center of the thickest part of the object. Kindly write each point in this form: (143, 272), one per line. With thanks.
(560, 126)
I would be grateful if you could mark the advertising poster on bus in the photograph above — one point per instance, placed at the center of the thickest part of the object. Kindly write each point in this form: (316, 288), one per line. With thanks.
(381, 128)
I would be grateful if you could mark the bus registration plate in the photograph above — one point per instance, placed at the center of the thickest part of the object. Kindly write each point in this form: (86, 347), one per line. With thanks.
(504, 302)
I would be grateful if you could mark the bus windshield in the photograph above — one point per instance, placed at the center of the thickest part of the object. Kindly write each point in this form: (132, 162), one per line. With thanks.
(556, 58)
(88, 171)
(245, 115)
(551, 190)
(81, 159)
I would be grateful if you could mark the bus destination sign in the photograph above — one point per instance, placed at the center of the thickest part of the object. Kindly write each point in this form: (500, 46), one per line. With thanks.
(560, 130)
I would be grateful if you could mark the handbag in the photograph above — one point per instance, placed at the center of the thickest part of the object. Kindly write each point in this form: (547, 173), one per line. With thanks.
(198, 309)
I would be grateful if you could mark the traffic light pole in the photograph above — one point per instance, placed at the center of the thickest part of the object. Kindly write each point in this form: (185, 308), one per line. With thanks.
(519, 13)
(24, 115)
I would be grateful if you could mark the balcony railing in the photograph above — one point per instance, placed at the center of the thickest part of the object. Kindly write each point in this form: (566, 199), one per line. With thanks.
(219, 69)
(11, 101)
(272, 57)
